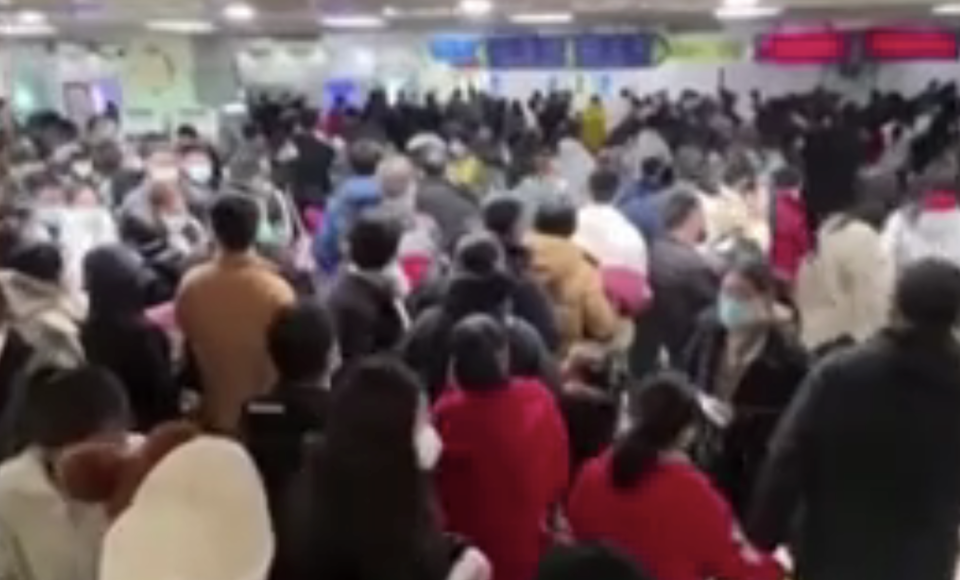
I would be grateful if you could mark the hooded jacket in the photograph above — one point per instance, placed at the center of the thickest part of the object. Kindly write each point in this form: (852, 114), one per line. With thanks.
(505, 465)
(45, 317)
(118, 336)
(353, 196)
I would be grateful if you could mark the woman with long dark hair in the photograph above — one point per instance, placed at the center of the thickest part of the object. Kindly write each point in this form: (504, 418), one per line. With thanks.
(365, 507)
(645, 498)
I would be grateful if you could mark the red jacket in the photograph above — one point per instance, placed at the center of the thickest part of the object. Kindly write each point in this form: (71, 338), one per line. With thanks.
(790, 239)
(674, 524)
(504, 467)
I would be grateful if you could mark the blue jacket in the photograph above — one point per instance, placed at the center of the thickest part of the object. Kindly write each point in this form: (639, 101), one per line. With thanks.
(641, 206)
(353, 196)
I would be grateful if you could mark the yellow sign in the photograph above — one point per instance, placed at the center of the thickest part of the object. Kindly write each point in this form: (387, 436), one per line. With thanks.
(704, 48)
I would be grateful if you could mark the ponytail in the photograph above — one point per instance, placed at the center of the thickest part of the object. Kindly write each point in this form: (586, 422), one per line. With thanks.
(661, 409)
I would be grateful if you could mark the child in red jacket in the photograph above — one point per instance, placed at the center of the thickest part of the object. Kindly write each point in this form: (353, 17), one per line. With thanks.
(790, 235)
(505, 459)
(645, 498)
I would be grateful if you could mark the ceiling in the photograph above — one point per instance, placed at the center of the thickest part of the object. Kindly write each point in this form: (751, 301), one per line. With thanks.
(300, 16)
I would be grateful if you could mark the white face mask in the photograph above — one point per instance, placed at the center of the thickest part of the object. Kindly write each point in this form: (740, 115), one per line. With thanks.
(83, 169)
(200, 173)
(428, 446)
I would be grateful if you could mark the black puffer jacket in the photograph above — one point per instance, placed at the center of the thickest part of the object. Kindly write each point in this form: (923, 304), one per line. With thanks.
(426, 348)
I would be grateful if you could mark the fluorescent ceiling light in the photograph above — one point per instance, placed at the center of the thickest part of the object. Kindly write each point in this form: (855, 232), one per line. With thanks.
(26, 31)
(476, 8)
(746, 12)
(947, 9)
(367, 21)
(239, 12)
(181, 26)
(31, 18)
(542, 18)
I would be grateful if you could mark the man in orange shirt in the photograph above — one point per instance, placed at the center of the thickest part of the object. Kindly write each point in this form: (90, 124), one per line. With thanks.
(224, 308)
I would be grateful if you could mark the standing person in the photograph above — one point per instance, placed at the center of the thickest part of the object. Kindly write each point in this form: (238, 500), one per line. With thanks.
(366, 299)
(453, 209)
(478, 284)
(279, 427)
(642, 203)
(505, 462)
(541, 183)
(571, 281)
(118, 336)
(504, 218)
(790, 235)
(928, 225)
(310, 169)
(224, 308)
(844, 285)
(743, 355)
(837, 435)
(359, 191)
(46, 535)
(593, 125)
(684, 284)
(617, 247)
(646, 498)
(366, 509)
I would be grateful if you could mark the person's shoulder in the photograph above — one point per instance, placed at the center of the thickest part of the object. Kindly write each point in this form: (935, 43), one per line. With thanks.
(198, 276)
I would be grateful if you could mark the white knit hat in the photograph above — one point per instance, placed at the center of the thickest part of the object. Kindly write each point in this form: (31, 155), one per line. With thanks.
(200, 514)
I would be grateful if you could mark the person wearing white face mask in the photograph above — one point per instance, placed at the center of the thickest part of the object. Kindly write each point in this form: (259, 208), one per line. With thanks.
(746, 356)
(366, 509)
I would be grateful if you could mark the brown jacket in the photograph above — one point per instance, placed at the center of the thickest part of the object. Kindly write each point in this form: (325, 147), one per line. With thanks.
(575, 289)
(224, 308)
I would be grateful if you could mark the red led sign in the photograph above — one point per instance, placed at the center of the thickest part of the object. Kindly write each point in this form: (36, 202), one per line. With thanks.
(905, 44)
(801, 47)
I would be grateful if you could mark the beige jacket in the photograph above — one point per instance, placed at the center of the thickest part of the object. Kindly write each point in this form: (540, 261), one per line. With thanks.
(44, 536)
(844, 287)
(575, 289)
(223, 309)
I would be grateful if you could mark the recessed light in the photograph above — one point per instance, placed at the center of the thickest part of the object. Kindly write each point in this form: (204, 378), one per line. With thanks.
(542, 18)
(746, 12)
(740, 3)
(31, 18)
(947, 9)
(476, 8)
(361, 21)
(239, 12)
(390, 12)
(181, 26)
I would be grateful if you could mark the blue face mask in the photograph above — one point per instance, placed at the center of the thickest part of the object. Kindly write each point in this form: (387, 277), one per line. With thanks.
(735, 313)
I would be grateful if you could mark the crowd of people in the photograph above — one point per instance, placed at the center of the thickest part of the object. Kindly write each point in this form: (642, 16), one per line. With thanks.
(654, 338)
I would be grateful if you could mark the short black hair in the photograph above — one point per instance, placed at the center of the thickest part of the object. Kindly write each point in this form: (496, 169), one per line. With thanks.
(364, 157)
(604, 185)
(188, 132)
(678, 207)
(374, 240)
(927, 295)
(39, 260)
(300, 339)
(502, 214)
(309, 118)
(63, 407)
(479, 253)
(556, 218)
(235, 220)
(476, 345)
